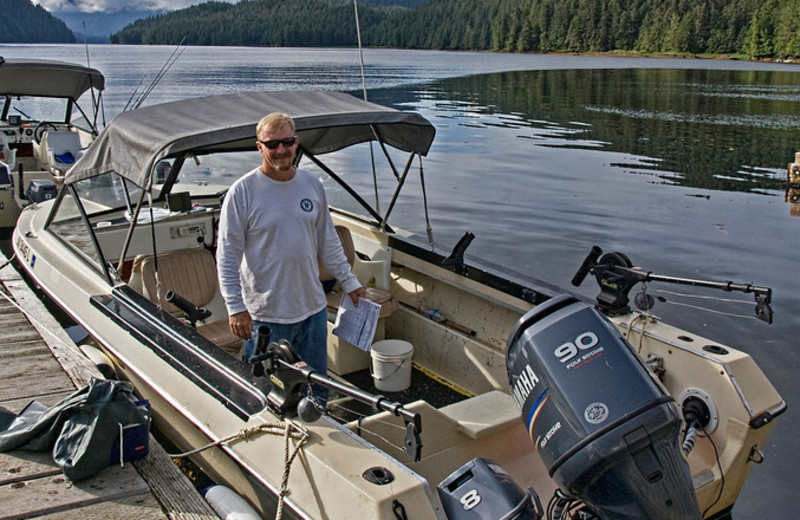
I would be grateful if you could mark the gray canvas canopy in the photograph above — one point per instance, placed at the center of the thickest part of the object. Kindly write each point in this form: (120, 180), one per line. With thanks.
(45, 78)
(135, 141)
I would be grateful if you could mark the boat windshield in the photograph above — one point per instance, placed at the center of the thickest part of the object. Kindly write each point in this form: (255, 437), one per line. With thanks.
(33, 109)
(109, 202)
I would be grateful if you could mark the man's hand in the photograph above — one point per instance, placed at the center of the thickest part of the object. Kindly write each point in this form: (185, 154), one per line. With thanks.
(241, 324)
(358, 293)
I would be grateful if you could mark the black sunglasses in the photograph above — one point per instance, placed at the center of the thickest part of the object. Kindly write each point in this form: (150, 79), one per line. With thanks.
(274, 143)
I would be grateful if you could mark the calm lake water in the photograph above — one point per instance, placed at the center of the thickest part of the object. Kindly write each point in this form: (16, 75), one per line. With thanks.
(680, 164)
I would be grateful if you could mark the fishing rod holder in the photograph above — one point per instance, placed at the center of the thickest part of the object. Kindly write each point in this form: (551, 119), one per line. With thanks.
(193, 313)
(288, 375)
(616, 276)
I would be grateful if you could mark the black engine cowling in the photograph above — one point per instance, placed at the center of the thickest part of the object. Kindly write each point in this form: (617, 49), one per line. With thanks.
(604, 426)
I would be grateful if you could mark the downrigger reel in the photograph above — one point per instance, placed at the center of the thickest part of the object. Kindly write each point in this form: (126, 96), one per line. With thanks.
(616, 276)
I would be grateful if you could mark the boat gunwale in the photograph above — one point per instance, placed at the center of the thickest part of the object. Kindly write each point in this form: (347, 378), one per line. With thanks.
(172, 340)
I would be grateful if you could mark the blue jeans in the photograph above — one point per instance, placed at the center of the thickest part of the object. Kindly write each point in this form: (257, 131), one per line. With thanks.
(309, 340)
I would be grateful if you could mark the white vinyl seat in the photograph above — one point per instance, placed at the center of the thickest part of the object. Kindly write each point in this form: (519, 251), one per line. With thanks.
(5, 177)
(380, 296)
(60, 149)
(8, 156)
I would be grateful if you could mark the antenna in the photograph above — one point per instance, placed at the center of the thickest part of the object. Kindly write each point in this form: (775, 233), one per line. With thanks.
(360, 51)
(95, 100)
(364, 87)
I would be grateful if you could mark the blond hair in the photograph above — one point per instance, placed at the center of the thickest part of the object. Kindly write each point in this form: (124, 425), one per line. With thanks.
(274, 121)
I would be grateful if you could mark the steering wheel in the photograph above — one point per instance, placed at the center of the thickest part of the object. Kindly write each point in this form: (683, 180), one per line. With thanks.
(41, 129)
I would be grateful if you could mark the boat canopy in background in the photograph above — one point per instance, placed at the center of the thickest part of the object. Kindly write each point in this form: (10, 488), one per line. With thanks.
(45, 78)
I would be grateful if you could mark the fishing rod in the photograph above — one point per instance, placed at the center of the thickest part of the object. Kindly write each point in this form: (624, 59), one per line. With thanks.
(157, 79)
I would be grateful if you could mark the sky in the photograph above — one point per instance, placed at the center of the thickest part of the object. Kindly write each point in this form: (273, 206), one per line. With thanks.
(111, 6)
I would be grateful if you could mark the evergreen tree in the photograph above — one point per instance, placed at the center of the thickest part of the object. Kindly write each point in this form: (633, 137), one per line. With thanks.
(23, 22)
(761, 28)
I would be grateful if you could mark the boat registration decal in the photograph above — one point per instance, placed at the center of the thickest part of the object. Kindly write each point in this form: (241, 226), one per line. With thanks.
(25, 251)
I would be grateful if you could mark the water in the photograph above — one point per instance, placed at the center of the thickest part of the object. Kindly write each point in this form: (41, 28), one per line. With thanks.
(680, 164)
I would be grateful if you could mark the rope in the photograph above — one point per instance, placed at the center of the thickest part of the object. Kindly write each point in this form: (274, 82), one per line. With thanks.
(7, 262)
(287, 466)
(274, 428)
(639, 317)
(289, 430)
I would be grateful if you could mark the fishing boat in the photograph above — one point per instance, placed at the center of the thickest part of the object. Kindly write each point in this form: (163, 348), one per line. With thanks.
(43, 128)
(485, 393)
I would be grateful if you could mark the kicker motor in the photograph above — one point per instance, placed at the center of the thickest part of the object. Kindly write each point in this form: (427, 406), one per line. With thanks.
(605, 428)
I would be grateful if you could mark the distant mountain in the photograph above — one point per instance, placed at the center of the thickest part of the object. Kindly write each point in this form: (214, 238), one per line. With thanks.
(98, 27)
(23, 22)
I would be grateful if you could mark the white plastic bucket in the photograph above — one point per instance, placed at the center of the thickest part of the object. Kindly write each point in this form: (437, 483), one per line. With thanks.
(391, 364)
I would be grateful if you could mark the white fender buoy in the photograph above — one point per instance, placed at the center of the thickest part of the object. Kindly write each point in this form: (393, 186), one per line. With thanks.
(100, 359)
(229, 505)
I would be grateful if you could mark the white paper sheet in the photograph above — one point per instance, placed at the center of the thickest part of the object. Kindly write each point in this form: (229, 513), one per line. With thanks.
(357, 324)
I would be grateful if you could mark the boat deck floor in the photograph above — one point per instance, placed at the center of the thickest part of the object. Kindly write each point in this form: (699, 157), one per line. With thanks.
(424, 386)
(38, 362)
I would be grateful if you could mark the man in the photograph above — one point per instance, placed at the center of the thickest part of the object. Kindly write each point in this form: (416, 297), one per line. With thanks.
(274, 224)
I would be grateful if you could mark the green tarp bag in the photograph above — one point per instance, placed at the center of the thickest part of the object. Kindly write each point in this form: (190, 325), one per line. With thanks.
(100, 424)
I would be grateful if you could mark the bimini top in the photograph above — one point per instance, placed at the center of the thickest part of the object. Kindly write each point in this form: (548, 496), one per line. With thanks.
(46, 78)
(133, 143)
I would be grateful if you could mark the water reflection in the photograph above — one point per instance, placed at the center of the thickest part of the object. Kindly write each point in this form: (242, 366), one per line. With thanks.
(718, 130)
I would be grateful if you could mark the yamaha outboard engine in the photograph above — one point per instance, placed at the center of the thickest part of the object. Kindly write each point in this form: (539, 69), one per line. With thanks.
(605, 428)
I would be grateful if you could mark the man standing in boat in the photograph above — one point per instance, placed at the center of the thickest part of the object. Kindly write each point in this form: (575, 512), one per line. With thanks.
(274, 225)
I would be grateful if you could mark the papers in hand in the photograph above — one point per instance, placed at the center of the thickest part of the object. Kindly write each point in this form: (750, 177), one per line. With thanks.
(357, 324)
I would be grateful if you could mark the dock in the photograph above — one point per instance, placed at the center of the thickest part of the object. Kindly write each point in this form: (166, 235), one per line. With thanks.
(39, 362)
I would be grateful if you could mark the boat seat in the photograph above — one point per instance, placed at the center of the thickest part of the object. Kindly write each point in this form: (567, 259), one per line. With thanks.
(5, 176)
(484, 414)
(334, 296)
(60, 149)
(192, 274)
(7, 155)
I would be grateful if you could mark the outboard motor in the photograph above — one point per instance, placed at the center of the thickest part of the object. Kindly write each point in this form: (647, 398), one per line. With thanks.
(40, 190)
(481, 490)
(605, 428)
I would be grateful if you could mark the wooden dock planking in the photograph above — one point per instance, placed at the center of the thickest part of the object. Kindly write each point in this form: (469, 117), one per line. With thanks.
(38, 361)
(24, 365)
(54, 493)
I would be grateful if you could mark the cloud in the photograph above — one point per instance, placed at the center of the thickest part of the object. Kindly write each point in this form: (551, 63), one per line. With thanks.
(113, 6)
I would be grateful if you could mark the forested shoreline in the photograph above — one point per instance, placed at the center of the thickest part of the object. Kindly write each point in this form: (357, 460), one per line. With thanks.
(23, 22)
(744, 28)
(747, 29)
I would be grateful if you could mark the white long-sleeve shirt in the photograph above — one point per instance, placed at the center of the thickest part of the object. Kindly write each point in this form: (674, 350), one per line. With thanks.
(270, 235)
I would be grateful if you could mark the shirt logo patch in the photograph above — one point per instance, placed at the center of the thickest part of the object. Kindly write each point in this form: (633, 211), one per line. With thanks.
(306, 205)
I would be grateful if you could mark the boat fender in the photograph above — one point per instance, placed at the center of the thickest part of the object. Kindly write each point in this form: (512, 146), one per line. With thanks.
(229, 504)
(100, 360)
